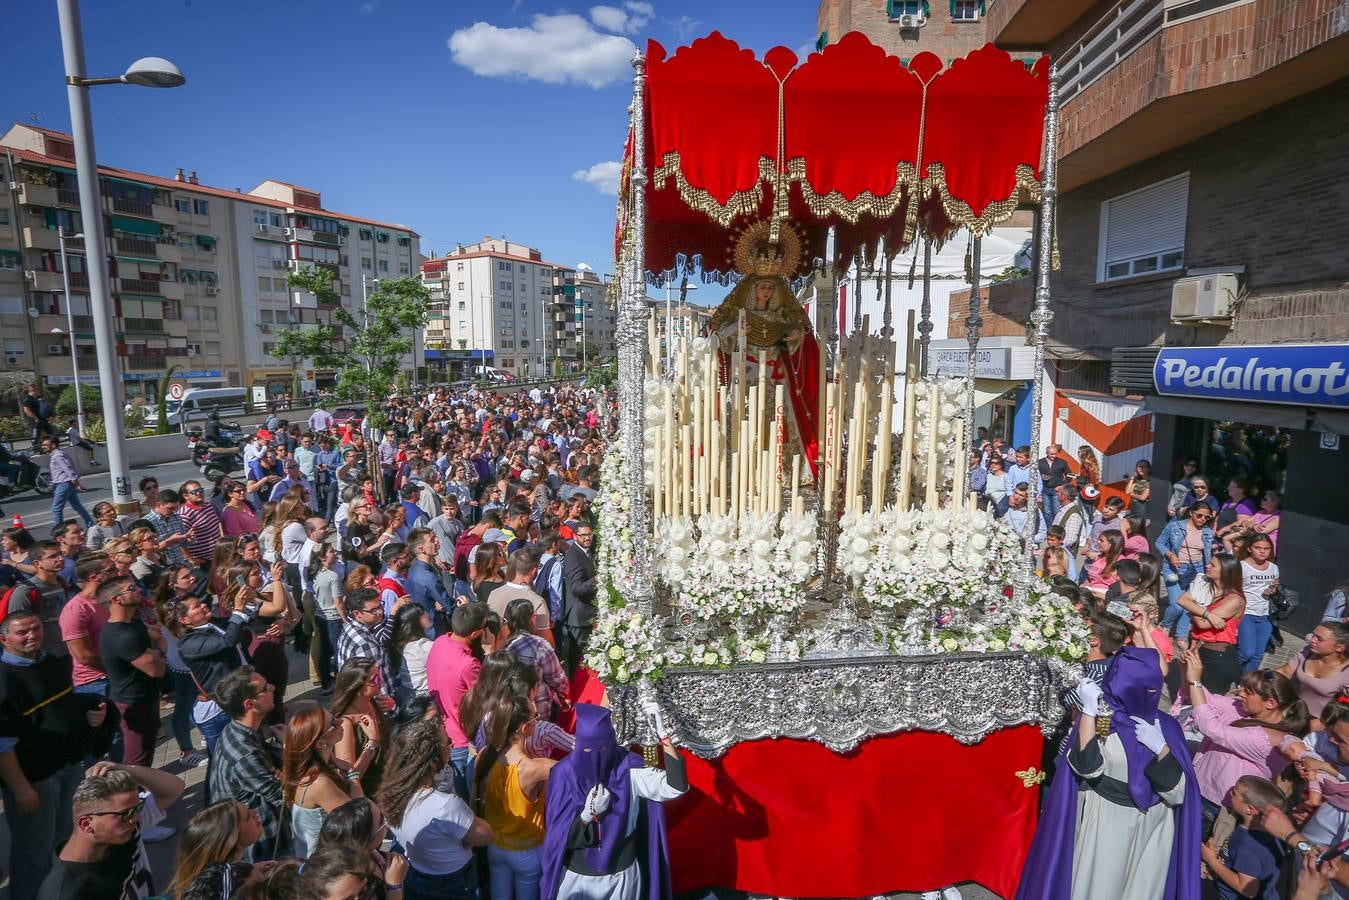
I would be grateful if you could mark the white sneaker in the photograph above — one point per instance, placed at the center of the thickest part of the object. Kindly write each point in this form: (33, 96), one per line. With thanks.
(156, 833)
(193, 759)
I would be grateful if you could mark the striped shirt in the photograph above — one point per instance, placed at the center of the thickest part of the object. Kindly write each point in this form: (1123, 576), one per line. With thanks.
(62, 469)
(203, 529)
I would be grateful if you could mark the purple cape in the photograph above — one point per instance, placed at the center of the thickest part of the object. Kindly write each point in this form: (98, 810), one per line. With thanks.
(597, 759)
(1133, 684)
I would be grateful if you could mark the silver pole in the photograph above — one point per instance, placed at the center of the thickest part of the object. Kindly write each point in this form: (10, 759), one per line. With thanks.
(669, 335)
(925, 317)
(973, 322)
(95, 251)
(1042, 315)
(632, 313)
(70, 327)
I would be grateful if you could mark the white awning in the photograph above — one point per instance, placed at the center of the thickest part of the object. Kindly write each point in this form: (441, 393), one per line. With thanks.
(986, 390)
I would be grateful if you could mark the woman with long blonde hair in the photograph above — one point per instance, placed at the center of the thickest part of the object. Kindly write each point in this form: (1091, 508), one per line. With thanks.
(220, 833)
(274, 618)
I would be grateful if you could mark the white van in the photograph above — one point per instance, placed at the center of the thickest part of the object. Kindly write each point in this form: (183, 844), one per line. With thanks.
(489, 373)
(197, 403)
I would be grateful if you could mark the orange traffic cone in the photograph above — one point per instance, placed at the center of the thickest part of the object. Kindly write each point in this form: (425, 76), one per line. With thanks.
(18, 521)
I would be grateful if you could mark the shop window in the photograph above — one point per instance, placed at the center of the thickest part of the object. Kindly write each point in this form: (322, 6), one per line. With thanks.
(1143, 231)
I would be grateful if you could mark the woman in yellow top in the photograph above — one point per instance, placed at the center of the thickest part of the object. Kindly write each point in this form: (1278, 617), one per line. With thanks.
(509, 786)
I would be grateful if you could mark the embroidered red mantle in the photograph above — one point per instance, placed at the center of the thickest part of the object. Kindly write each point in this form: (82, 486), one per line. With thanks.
(852, 139)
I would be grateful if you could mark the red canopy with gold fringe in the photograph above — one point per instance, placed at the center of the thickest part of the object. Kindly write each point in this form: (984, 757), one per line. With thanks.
(851, 139)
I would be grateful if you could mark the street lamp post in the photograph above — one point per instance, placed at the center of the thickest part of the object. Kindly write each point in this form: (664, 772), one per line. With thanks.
(147, 72)
(70, 323)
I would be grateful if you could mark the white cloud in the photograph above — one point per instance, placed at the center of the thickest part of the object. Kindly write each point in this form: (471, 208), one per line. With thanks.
(631, 16)
(602, 176)
(683, 27)
(554, 49)
(584, 267)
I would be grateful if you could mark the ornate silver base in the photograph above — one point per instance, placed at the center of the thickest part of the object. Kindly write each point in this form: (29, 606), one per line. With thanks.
(840, 703)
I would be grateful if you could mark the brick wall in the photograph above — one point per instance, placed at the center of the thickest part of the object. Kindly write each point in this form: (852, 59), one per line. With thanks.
(1005, 308)
(1267, 193)
(1227, 46)
(1295, 317)
(941, 35)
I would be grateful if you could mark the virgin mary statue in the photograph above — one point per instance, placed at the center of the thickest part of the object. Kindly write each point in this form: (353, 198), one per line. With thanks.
(762, 318)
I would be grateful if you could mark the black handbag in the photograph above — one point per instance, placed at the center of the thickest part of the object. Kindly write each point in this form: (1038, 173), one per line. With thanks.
(1282, 602)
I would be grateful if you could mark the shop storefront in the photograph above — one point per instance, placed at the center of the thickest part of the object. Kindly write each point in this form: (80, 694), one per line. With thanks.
(1004, 368)
(1276, 416)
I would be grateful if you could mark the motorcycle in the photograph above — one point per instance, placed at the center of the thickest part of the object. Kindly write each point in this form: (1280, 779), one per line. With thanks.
(219, 455)
(36, 478)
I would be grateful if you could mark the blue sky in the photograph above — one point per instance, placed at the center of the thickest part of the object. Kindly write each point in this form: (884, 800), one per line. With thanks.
(368, 101)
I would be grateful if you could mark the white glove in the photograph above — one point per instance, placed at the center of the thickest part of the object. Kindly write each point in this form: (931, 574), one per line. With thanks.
(596, 805)
(1087, 696)
(1149, 735)
(653, 716)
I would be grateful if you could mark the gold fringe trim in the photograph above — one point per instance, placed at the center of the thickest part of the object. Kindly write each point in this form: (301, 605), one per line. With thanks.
(740, 203)
(960, 213)
(865, 203)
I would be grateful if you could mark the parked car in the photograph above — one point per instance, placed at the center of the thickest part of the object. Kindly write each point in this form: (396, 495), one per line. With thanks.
(344, 414)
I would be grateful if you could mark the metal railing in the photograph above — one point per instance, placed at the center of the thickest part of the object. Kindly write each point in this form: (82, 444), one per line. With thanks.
(135, 245)
(132, 207)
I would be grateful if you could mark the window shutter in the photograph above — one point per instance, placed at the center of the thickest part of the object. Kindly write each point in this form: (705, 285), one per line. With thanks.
(1147, 221)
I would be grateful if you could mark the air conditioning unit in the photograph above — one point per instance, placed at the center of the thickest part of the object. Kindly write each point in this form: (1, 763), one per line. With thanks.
(1204, 296)
(265, 327)
(288, 232)
(55, 350)
(212, 290)
(341, 241)
(11, 359)
(912, 21)
(261, 227)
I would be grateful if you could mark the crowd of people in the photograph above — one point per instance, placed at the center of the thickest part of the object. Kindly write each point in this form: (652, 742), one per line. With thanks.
(436, 572)
(1238, 788)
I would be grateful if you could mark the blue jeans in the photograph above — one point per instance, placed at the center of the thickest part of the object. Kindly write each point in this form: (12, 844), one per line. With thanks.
(1051, 506)
(33, 838)
(1174, 615)
(514, 874)
(461, 885)
(461, 761)
(1252, 638)
(65, 493)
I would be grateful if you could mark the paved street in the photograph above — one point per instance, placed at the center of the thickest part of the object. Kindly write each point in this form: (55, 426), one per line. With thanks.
(37, 510)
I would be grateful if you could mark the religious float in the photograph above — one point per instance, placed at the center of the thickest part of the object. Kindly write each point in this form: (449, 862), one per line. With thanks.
(859, 664)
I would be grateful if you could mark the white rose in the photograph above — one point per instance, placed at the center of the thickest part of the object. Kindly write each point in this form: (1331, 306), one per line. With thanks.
(860, 546)
(718, 549)
(676, 554)
(979, 541)
(804, 550)
(757, 656)
(803, 528)
(761, 549)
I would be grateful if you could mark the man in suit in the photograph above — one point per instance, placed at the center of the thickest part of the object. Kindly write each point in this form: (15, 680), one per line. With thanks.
(578, 606)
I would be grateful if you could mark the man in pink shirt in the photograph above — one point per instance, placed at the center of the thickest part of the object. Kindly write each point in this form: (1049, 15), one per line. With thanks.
(82, 620)
(452, 668)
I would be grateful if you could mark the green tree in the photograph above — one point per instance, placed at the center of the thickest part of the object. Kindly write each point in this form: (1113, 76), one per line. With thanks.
(66, 405)
(369, 354)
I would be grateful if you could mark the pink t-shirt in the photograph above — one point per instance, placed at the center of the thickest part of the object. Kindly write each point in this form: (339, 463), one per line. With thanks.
(1228, 751)
(1134, 544)
(451, 670)
(83, 617)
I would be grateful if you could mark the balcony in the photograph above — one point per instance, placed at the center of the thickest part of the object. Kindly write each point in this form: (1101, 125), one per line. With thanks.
(1032, 24)
(139, 286)
(168, 251)
(137, 247)
(143, 362)
(36, 194)
(39, 237)
(143, 326)
(46, 281)
(171, 290)
(68, 196)
(132, 207)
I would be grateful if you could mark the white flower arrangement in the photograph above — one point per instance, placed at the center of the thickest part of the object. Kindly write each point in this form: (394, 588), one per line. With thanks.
(949, 409)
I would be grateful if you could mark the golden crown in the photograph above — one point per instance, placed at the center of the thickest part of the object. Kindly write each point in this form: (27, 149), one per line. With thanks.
(756, 253)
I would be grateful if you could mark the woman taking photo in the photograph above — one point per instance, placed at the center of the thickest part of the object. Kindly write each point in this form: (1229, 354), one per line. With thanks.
(437, 830)
(362, 727)
(220, 833)
(272, 621)
(1088, 467)
(1259, 578)
(1321, 671)
(1241, 733)
(408, 648)
(238, 517)
(175, 585)
(508, 787)
(314, 781)
(1216, 604)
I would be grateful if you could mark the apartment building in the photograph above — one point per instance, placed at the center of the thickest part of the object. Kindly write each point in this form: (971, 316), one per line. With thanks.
(197, 272)
(1201, 310)
(906, 27)
(500, 303)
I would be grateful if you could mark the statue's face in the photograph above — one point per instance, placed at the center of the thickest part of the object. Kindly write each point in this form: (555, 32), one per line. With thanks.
(763, 294)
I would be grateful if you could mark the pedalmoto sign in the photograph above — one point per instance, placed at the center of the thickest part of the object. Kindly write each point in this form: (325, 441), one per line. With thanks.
(1298, 374)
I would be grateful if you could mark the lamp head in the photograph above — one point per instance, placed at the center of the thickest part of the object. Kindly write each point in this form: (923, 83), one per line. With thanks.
(153, 71)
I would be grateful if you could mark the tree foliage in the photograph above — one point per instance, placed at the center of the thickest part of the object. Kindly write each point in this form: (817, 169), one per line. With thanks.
(161, 408)
(66, 405)
(369, 354)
